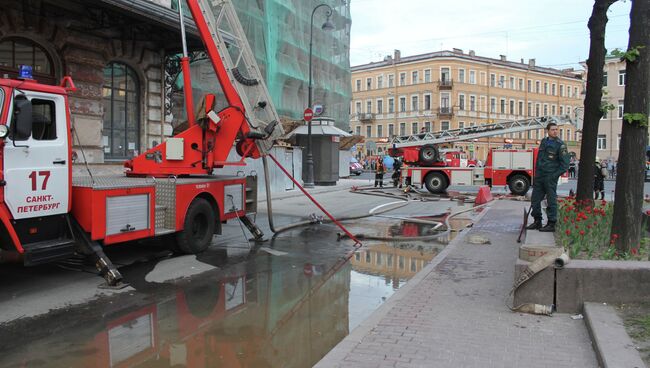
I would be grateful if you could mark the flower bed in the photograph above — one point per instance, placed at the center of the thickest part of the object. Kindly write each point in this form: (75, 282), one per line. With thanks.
(585, 232)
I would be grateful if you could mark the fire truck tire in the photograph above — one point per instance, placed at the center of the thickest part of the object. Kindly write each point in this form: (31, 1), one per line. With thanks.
(198, 228)
(519, 184)
(428, 154)
(436, 182)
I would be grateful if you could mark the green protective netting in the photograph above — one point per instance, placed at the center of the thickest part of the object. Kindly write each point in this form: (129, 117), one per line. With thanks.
(278, 32)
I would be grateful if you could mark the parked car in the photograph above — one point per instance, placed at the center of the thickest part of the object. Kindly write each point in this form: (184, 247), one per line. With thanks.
(355, 167)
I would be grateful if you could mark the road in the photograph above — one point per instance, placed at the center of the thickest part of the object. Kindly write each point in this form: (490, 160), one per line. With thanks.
(237, 304)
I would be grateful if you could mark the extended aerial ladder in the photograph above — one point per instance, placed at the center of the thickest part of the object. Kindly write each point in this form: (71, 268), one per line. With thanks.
(423, 145)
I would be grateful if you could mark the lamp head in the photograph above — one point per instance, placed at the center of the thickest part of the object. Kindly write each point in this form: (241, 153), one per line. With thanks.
(327, 26)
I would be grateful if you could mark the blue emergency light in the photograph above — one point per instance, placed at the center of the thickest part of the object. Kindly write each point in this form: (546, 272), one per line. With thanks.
(25, 72)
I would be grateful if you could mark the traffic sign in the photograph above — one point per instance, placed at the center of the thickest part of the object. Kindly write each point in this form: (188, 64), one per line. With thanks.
(308, 114)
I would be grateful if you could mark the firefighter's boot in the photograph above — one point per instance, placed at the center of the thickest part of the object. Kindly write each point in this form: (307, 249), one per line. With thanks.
(549, 228)
(536, 225)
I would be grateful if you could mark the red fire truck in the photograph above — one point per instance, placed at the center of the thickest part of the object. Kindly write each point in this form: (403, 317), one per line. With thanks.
(46, 214)
(427, 166)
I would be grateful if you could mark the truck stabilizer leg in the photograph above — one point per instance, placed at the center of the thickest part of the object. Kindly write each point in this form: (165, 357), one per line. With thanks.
(92, 249)
(253, 228)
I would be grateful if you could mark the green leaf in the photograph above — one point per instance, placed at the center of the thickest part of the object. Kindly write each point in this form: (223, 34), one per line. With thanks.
(636, 117)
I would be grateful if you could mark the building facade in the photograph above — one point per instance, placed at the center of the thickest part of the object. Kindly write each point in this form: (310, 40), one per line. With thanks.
(610, 127)
(451, 89)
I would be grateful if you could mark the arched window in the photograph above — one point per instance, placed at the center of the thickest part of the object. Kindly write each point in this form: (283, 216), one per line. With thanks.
(121, 98)
(15, 52)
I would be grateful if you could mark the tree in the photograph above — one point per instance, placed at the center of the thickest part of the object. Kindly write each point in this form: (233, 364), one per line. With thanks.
(634, 136)
(592, 111)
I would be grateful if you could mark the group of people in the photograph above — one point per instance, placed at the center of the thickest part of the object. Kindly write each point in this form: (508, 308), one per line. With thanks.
(381, 166)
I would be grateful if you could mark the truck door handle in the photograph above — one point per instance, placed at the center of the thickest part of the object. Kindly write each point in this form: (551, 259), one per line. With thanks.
(59, 162)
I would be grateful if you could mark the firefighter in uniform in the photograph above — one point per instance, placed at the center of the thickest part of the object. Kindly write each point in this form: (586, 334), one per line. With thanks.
(552, 161)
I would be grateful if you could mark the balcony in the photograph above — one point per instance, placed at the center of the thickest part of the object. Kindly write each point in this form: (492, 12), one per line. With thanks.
(366, 117)
(445, 112)
(445, 83)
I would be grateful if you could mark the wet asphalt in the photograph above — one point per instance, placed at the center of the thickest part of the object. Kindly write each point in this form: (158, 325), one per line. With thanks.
(284, 302)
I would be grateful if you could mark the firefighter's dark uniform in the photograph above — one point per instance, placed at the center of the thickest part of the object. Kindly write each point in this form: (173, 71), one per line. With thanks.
(552, 161)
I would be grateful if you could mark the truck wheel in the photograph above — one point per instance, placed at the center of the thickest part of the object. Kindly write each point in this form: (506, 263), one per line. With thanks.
(428, 154)
(198, 227)
(435, 182)
(519, 184)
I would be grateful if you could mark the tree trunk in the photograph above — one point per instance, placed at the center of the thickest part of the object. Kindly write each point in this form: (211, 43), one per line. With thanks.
(634, 138)
(593, 98)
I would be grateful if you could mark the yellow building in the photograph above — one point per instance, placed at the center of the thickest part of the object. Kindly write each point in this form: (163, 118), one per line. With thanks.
(451, 89)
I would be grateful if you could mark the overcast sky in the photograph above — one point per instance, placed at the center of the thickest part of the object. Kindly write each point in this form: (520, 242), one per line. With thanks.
(554, 32)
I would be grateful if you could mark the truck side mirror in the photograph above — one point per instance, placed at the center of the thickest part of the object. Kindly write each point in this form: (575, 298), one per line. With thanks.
(21, 127)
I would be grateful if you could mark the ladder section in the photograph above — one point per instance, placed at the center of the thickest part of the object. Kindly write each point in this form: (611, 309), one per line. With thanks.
(241, 66)
(479, 131)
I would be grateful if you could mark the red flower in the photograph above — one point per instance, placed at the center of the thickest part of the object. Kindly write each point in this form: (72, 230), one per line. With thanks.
(614, 236)
(634, 251)
(603, 202)
(595, 223)
(588, 226)
(568, 232)
(582, 232)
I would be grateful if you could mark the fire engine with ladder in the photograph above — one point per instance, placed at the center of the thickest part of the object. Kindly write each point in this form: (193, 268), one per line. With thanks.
(170, 190)
(426, 166)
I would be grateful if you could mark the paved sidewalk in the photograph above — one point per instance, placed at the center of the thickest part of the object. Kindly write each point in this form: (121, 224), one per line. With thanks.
(452, 314)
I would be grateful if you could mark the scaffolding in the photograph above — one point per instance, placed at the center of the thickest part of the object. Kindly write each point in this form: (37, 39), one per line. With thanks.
(278, 32)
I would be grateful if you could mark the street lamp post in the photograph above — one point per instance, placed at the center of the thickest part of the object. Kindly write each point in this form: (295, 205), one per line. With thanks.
(327, 26)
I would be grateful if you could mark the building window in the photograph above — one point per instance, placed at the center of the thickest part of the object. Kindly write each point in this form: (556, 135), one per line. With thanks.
(444, 125)
(461, 102)
(368, 84)
(414, 77)
(472, 103)
(121, 100)
(358, 88)
(621, 77)
(380, 82)
(545, 88)
(493, 104)
(512, 107)
(391, 105)
(553, 89)
(545, 109)
(620, 109)
(380, 106)
(568, 110)
(530, 84)
(445, 75)
(521, 108)
(358, 130)
(402, 128)
(402, 104)
(521, 84)
(561, 90)
(575, 92)
(427, 76)
(461, 124)
(445, 102)
(553, 109)
(604, 79)
(380, 130)
(427, 126)
(391, 80)
(502, 81)
(368, 107)
(561, 110)
(502, 106)
(402, 79)
(427, 102)
(512, 82)
(493, 80)
(391, 130)
(414, 128)
(461, 75)
(414, 103)
(369, 131)
(537, 87)
(358, 107)
(15, 52)
(537, 108)
(472, 77)
(601, 143)
(530, 109)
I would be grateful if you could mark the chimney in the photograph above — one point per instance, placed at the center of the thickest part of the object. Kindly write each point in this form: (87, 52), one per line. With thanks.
(388, 58)
(398, 55)
(522, 60)
(531, 63)
(458, 51)
(503, 57)
(472, 53)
